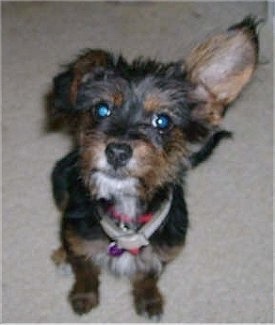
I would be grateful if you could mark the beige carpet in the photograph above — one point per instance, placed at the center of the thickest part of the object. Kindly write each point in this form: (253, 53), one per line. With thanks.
(225, 272)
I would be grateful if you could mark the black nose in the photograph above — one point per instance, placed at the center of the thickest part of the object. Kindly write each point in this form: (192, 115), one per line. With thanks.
(118, 154)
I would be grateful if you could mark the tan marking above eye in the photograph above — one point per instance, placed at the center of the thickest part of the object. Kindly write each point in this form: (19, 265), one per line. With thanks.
(154, 103)
(117, 98)
(151, 103)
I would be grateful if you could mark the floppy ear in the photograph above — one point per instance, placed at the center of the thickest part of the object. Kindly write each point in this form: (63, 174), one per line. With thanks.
(221, 67)
(66, 84)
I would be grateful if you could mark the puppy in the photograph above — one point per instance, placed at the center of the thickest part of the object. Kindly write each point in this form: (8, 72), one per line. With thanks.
(140, 127)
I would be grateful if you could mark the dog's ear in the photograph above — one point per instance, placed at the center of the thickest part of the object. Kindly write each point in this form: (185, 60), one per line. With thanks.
(220, 67)
(66, 84)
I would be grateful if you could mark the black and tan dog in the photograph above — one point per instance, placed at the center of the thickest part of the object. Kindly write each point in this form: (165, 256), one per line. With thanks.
(141, 126)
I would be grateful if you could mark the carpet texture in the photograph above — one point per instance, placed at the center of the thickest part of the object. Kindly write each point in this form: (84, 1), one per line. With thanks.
(225, 272)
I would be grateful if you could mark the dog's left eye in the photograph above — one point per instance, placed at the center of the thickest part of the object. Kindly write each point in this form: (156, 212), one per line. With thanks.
(102, 110)
(161, 122)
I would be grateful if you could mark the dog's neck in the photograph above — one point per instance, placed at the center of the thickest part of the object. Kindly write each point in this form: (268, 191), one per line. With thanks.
(122, 193)
(128, 206)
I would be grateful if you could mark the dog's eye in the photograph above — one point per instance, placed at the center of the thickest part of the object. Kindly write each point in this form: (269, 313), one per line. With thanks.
(161, 122)
(102, 110)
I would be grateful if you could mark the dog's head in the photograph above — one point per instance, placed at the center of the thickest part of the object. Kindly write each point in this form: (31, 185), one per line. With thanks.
(137, 121)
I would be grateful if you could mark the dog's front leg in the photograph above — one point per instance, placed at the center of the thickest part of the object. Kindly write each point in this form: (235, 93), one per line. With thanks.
(84, 295)
(147, 297)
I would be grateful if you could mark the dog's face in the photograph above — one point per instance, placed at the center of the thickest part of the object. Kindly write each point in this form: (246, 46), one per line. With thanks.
(137, 121)
(134, 128)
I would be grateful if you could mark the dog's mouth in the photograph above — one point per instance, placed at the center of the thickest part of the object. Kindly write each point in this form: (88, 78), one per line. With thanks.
(111, 183)
(116, 174)
(113, 170)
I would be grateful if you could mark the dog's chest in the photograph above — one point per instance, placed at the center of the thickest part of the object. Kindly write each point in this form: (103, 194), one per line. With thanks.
(128, 264)
(124, 193)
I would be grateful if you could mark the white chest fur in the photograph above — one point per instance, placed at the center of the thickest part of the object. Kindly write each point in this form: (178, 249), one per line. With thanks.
(128, 264)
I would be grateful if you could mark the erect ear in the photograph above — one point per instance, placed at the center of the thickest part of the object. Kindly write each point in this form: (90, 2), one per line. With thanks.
(220, 68)
(67, 83)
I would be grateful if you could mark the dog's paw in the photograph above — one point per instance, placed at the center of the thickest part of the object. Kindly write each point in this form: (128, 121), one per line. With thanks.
(82, 303)
(150, 306)
(59, 257)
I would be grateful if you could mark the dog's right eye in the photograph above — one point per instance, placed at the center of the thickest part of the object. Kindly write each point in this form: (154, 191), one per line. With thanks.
(162, 122)
(102, 110)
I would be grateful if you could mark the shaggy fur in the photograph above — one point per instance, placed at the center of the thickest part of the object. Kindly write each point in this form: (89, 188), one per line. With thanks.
(140, 127)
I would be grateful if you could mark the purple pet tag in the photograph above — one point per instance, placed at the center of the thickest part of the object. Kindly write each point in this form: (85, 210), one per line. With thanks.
(114, 250)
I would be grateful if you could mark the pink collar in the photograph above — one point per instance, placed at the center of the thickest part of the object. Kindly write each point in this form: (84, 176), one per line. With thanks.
(144, 218)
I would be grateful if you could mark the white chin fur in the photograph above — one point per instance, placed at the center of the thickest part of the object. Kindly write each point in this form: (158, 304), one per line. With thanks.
(124, 192)
(108, 186)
